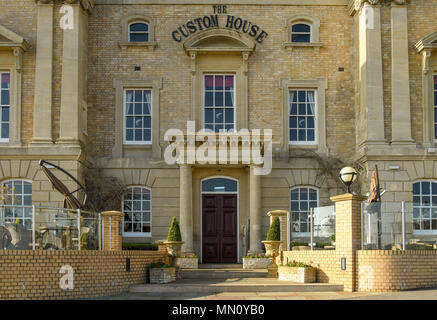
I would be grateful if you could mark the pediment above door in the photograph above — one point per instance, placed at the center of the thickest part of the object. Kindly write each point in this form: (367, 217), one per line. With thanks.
(219, 41)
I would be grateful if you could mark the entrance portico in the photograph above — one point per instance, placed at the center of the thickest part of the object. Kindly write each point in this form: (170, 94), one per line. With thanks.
(220, 217)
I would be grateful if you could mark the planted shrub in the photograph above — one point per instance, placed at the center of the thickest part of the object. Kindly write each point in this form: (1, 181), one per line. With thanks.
(174, 233)
(274, 233)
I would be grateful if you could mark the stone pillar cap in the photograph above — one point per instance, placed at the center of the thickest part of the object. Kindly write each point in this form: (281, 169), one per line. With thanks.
(277, 213)
(347, 197)
(112, 214)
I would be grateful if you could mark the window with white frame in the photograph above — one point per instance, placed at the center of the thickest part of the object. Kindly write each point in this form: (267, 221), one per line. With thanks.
(435, 107)
(138, 32)
(219, 103)
(425, 206)
(138, 116)
(301, 32)
(5, 105)
(302, 116)
(19, 194)
(137, 209)
(301, 200)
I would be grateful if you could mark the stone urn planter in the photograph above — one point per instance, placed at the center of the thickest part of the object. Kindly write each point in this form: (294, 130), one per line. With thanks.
(174, 247)
(256, 262)
(187, 261)
(297, 274)
(162, 274)
(272, 250)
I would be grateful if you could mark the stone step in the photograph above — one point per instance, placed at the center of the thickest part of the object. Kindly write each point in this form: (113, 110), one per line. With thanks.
(220, 266)
(222, 273)
(234, 285)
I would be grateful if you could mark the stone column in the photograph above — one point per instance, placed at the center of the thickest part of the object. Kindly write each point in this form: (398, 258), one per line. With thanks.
(282, 215)
(112, 230)
(368, 15)
(401, 114)
(255, 212)
(347, 235)
(42, 112)
(186, 207)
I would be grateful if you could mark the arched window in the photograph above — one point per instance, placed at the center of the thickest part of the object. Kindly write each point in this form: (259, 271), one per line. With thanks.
(301, 200)
(425, 206)
(137, 209)
(19, 194)
(301, 32)
(138, 32)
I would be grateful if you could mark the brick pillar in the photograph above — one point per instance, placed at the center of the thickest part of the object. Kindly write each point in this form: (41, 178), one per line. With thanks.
(347, 235)
(282, 215)
(112, 229)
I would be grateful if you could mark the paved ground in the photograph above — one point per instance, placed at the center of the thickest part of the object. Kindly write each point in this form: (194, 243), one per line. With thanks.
(405, 295)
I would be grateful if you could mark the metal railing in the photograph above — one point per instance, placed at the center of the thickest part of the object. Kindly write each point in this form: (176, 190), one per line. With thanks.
(45, 228)
(313, 229)
(398, 226)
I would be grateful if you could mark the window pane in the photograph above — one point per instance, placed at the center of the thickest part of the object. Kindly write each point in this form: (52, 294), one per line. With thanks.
(301, 122)
(229, 115)
(139, 27)
(218, 115)
(138, 108)
(209, 99)
(229, 82)
(218, 82)
(139, 37)
(300, 28)
(416, 188)
(146, 228)
(6, 81)
(209, 115)
(425, 187)
(302, 135)
(146, 108)
(147, 135)
(311, 135)
(310, 122)
(5, 131)
(300, 38)
(129, 108)
(129, 135)
(293, 135)
(229, 99)
(5, 97)
(293, 122)
(209, 82)
(219, 185)
(147, 122)
(293, 110)
(129, 122)
(138, 122)
(219, 99)
(4, 114)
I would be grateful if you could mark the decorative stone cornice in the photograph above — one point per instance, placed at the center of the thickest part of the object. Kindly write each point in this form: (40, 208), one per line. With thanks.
(355, 6)
(87, 5)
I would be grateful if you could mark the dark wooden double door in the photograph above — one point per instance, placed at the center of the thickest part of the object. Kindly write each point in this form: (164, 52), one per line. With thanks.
(219, 228)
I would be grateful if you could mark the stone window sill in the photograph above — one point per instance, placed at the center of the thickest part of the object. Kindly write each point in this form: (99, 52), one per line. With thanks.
(137, 146)
(126, 44)
(291, 45)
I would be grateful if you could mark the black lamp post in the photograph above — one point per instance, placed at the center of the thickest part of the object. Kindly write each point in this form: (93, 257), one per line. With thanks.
(348, 175)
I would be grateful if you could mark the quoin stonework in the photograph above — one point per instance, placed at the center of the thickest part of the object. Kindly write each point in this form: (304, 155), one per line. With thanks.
(96, 84)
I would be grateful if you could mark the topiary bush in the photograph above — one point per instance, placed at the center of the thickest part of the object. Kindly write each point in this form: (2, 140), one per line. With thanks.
(274, 233)
(174, 233)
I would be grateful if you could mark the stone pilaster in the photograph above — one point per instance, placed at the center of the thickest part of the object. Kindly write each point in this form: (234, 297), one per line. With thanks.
(74, 73)
(112, 230)
(371, 117)
(401, 114)
(347, 234)
(255, 212)
(186, 207)
(42, 112)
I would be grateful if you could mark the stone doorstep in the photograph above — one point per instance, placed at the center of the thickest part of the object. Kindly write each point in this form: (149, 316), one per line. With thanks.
(222, 273)
(235, 285)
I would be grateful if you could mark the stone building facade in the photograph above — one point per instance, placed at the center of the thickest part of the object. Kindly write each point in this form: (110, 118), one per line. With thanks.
(97, 83)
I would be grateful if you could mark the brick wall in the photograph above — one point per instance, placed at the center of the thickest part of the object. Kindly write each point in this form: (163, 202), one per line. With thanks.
(26, 274)
(387, 270)
(376, 270)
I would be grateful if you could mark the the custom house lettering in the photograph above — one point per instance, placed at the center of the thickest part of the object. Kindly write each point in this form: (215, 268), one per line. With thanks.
(213, 21)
